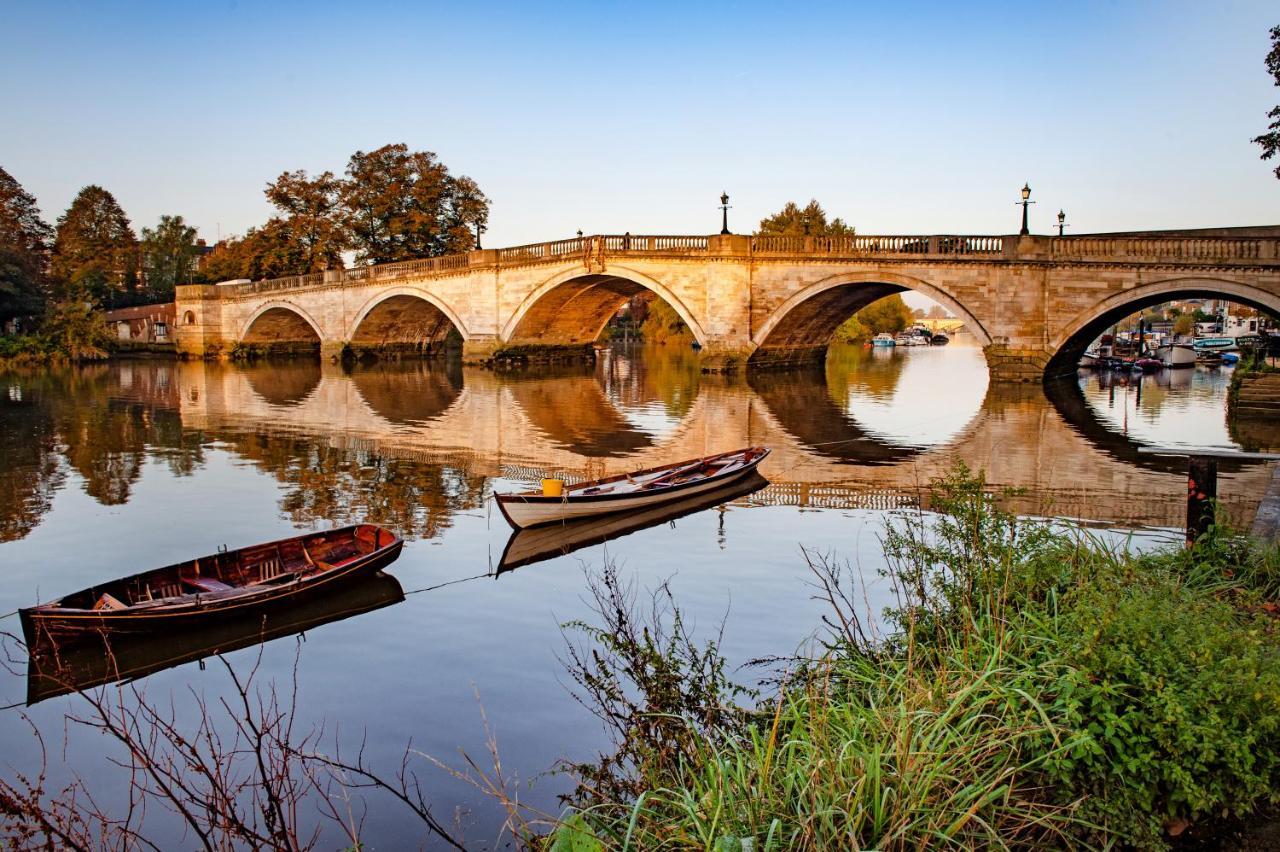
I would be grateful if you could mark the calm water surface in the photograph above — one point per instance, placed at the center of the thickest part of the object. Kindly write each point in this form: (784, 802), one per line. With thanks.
(109, 470)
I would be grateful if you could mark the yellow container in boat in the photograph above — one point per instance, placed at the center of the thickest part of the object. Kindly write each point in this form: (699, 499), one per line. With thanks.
(553, 488)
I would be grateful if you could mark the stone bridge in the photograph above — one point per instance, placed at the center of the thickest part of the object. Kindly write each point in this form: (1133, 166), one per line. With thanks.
(1032, 302)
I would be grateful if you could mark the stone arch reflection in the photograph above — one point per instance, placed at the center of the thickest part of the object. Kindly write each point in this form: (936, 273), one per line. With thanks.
(283, 382)
(409, 391)
(1068, 399)
(569, 406)
(802, 405)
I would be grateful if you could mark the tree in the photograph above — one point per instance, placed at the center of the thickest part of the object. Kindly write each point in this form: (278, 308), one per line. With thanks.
(401, 205)
(1270, 141)
(889, 314)
(792, 221)
(95, 253)
(1184, 325)
(312, 219)
(169, 254)
(24, 251)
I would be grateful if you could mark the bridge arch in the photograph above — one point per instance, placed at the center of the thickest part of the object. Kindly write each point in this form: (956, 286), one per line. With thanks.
(573, 306)
(801, 328)
(1070, 343)
(280, 326)
(403, 319)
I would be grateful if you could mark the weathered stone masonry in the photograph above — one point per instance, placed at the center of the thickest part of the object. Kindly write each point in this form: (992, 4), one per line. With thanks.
(1032, 302)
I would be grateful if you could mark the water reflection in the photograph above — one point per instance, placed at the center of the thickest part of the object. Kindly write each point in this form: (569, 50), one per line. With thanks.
(54, 670)
(408, 391)
(414, 444)
(571, 409)
(283, 381)
(150, 462)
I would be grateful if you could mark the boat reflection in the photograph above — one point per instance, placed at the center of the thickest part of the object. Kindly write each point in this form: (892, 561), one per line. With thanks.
(538, 544)
(55, 669)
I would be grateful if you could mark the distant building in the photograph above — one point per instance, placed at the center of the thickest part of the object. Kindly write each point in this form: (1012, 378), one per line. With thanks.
(143, 323)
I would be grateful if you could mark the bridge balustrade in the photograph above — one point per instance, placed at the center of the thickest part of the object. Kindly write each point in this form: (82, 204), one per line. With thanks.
(1210, 249)
(863, 245)
(1153, 249)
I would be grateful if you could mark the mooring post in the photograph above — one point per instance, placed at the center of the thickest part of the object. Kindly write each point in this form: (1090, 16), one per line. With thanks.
(1202, 491)
(1202, 481)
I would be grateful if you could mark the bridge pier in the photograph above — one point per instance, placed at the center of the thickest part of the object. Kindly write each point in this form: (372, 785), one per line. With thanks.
(1011, 365)
(724, 358)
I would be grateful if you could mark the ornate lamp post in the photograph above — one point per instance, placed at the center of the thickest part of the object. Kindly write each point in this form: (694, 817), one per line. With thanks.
(1026, 193)
(724, 207)
(479, 231)
(1062, 222)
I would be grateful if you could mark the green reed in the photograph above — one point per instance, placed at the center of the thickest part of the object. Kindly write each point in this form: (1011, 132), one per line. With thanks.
(1037, 688)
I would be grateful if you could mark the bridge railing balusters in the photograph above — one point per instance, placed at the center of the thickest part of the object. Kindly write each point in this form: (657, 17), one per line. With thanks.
(1140, 249)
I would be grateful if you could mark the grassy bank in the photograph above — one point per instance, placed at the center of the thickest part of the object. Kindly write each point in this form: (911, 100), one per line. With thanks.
(1036, 687)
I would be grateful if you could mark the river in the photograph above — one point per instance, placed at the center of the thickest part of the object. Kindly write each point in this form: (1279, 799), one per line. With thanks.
(110, 469)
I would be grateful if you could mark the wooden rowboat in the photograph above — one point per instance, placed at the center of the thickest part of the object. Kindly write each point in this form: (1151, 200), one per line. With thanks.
(213, 588)
(641, 489)
(529, 546)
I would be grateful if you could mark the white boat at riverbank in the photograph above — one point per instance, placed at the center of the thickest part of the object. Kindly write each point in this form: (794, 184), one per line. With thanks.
(1176, 355)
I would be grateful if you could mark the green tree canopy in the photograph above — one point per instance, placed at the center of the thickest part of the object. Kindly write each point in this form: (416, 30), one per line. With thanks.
(95, 253)
(889, 314)
(24, 250)
(1270, 141)
(794, 221)
(168, 255)
(312, 219)
(403, 204)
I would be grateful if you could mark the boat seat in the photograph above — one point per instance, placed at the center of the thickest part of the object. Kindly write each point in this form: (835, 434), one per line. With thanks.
(206, 584)
(269, 569)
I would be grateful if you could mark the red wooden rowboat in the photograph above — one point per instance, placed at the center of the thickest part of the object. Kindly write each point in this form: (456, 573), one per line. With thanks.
(212, 588)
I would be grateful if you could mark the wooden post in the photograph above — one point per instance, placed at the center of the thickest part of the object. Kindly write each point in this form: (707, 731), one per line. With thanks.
(1202, 491)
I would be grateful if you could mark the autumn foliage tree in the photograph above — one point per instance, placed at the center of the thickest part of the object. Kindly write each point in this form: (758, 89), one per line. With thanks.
(393, 204)
(311, 220)
(24, 251)
(95, 253)
(403, 204)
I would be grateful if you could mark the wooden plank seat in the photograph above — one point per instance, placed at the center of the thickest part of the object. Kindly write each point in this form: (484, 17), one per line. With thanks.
(206, 584)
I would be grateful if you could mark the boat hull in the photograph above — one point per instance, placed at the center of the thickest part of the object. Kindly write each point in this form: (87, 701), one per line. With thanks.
(1176, 355)
(50, 623)
(530, 510)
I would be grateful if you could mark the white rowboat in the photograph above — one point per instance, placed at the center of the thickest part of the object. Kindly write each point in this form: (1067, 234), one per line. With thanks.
(626, 492)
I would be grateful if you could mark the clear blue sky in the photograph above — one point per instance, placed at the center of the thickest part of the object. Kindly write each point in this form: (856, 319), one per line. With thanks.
(897, 117)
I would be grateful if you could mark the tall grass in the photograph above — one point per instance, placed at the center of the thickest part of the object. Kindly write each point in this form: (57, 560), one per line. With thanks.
(1036, 688)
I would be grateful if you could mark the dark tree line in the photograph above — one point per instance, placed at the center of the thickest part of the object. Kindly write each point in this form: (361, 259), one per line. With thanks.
(392, 204)
(1270, 141)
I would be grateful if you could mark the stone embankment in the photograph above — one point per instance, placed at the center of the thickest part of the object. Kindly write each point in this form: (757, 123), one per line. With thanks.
(1258, 396)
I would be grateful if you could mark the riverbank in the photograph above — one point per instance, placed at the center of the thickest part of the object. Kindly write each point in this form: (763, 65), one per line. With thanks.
(1034, 687)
